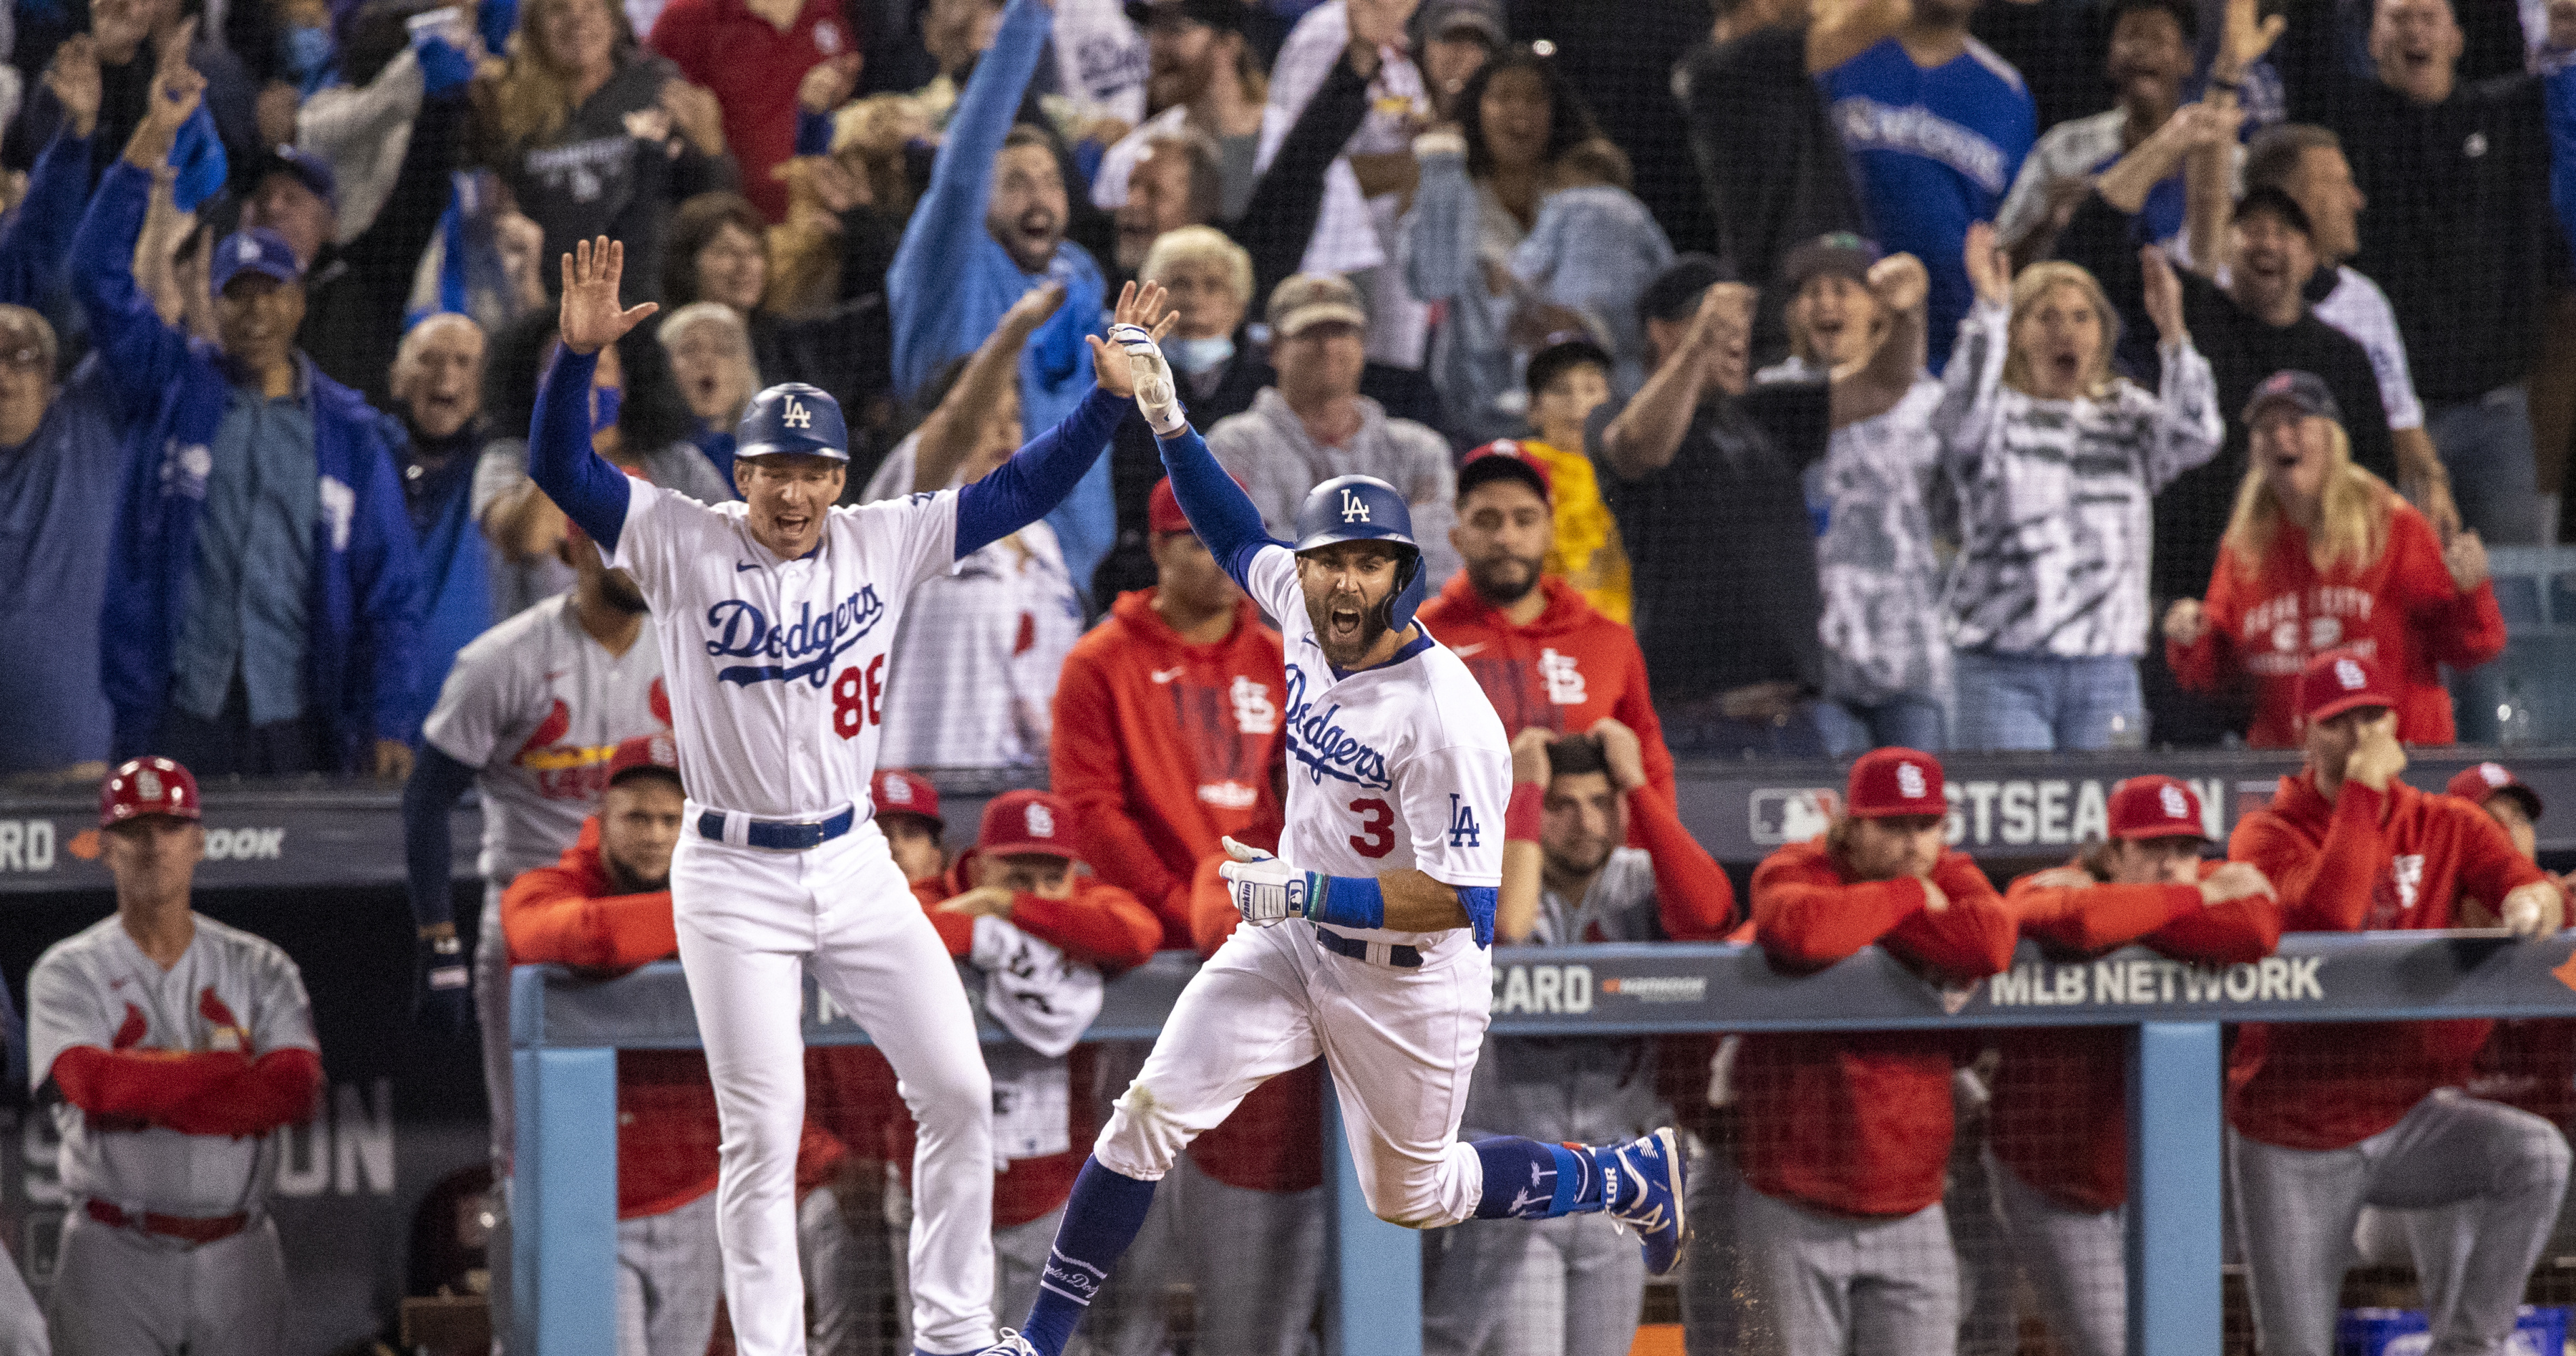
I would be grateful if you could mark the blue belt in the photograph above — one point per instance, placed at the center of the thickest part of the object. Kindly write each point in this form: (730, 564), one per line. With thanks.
(779, 835)
(1401, 957)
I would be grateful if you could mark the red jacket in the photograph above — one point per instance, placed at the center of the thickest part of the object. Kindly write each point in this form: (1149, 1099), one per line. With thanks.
(1564, 671)
(2365, 861)
(1273, 1140)
(1859, 1125)
(666, 1109)
(1100, 925)
(753, 69)
(2061, 1103)
(1163, 747)
(2403, 610)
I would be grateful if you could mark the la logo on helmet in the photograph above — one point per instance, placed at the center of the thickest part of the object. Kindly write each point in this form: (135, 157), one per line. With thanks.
(1041, 822)
(797, 415)
(1354, 508)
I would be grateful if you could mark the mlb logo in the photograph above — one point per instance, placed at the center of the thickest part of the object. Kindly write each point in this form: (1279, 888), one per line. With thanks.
(1789, 815)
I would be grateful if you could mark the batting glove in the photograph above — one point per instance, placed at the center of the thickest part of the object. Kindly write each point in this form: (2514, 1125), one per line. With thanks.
(1266, 890)
(1155, 396)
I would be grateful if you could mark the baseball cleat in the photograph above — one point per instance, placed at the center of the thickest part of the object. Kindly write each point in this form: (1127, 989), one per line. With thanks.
(1647, 1184)
(1011, 1344)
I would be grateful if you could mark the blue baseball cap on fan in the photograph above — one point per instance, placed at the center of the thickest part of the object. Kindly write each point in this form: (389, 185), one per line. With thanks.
(792, 419)
(259, 250)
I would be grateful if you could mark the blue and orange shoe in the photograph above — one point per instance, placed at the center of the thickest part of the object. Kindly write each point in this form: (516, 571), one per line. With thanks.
(1643, 1191)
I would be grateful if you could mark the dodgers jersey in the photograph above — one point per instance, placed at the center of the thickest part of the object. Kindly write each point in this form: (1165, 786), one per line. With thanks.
(230, 991)
(537, 708)
(1401, 765)
(776, 669)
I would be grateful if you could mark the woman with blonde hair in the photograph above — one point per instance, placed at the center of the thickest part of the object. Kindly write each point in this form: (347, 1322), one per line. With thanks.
(712, 361)
(2322, 555)
(593, 134)
(2056, 463)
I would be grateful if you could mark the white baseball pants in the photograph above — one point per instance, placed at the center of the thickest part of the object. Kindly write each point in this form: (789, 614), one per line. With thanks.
(750, 921)
(1401, 1045)
(118, 1292)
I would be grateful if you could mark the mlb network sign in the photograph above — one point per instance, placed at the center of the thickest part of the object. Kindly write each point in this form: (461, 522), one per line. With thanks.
(2048, 812)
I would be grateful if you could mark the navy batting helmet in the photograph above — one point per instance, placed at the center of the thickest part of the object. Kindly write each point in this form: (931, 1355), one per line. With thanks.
(793, 419)
(1365, 508)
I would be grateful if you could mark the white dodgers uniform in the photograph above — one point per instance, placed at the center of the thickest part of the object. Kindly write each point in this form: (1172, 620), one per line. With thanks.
(537, 708)
(776, 671)
(1401, 765)
(120, 1291)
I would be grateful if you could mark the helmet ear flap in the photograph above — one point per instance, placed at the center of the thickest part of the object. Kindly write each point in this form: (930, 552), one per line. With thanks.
(1402, 601)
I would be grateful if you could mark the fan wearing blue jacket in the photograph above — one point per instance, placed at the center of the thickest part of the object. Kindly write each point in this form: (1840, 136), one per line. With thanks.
(263, 593)
(990, 228)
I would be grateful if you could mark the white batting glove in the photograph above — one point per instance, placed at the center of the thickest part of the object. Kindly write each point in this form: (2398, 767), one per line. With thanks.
(1156, 398)
(2533, 910)
(1266, 890)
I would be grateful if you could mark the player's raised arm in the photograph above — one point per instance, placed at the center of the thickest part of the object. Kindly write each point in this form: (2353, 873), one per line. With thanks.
(1219, 511)
(580, 481)
(1038, 476)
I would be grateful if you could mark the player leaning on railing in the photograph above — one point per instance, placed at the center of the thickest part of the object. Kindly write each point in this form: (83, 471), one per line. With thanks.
(1397, 790)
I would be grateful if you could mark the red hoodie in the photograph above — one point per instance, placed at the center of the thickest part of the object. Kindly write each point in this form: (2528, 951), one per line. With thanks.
(2403, 610)
(1099, 925)
(1564, 671)
(666, 1109)
(2367, 860)
(2061, 1105)
(1162, 747)
(1859, 1125)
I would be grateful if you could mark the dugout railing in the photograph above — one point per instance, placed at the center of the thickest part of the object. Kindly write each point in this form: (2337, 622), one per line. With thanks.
(566, 1031)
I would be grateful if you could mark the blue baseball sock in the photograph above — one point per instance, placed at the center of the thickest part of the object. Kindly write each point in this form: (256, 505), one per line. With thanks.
(1101, 1218)
(1526, 1179)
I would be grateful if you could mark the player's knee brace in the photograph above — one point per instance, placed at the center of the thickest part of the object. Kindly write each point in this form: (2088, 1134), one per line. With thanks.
(1142, 1138)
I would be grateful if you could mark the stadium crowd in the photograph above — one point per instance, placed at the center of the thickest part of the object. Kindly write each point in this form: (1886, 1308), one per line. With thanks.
(2015, 375)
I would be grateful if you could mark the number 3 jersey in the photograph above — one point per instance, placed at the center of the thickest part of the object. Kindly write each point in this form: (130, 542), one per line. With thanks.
(777, 669)
(1401, 765)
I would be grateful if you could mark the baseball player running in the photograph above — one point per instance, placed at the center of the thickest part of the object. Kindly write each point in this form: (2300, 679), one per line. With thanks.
(1385, 885)
(179, 1045)
(775, 618)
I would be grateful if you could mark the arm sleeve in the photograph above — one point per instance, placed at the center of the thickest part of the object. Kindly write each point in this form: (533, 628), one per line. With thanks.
(2027, 198)
(549, 918)
(2489, 866)
(2558, 96)
(142, 356)
(1973, 382)
(2094, 918)
(391, 246)
(1086, 766)
(1213, 917)
(2186, 430)
(277, 1089)
(146, 1083)
(1693, 897)
(1436, 243)
(931, 266)
(392, 597)
(2325, 888)
(580, 481)
(1288, 199)
(1219, 511)
(1970, 939)
(1038, 476)
(2230, 933)
(1636, 710)
(2462, 627)
(437, 783)
(1807, 919)
(39, 234)
(1101, 925)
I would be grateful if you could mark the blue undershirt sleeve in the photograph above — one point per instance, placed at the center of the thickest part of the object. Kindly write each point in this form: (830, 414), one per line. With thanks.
(1038, 476)
(437, 783)
(1219, 511)
(580, 481)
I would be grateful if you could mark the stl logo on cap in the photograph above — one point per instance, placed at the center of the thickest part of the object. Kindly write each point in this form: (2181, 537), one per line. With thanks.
(1041, 820)
(2170, 797)
(1909, 781)
(2493, 774)
(147, 784)
(2349, 674)
(898, 791)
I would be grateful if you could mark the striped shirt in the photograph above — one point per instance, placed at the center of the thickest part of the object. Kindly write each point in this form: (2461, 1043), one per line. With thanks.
(2054, 497)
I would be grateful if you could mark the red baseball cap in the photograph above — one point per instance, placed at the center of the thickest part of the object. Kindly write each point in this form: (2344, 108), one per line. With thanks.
(1895, 781)
(147, 786)
(2482, 782)
(653, 752)
(1504, 459)
(1163, 509)
(1027, 821)
(2156, 807)
(898, 792)
(2338, 681)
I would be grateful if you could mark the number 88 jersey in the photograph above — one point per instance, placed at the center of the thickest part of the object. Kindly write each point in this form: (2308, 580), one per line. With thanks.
(1402, 765)
(776, 669)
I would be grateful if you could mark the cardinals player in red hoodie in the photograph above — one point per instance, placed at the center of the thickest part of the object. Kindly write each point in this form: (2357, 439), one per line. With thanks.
(1845, 1137)
(1025, 871)
(2325, 1119)
(1545, 656)
(2060, 1127)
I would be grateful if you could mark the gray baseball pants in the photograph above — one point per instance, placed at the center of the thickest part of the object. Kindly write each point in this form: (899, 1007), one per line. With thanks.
(1840, 1287)
(1568, 1286)
(121, 1293)
(2076, 1259)
(669, 1271)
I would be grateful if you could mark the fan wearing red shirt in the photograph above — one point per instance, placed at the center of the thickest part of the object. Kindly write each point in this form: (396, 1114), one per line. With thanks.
(751, 54)
(2322, 556)
(2327, 1118)
(606, 908)
(2060, 1125)
(1023, 882)
(1167, 738)
(1545, 656)
(1845, 1137)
